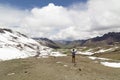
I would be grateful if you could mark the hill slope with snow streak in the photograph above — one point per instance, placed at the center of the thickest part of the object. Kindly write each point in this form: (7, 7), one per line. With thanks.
(14, 45)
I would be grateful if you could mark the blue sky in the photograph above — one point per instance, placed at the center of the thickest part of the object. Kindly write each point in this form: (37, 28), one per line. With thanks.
(28, 4)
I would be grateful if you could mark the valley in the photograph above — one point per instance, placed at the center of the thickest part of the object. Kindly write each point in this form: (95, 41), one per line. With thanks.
(23, 58)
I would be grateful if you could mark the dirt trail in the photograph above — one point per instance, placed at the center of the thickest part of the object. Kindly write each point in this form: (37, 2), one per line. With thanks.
(59, 68)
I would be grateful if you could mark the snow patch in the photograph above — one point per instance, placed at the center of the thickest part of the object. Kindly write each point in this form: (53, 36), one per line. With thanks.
(57, 54)
(108, 64)
(95, 58)
(58, 62)
(85, 53)
(11, 53)
(105, 50)
(111, 64)
(11, 74)
(65, 65)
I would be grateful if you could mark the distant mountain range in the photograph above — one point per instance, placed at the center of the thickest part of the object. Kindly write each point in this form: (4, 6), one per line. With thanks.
(14, 45)
(110, 38)
(47, 42)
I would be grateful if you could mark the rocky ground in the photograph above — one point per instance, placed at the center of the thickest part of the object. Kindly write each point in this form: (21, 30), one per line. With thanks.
(59, 68)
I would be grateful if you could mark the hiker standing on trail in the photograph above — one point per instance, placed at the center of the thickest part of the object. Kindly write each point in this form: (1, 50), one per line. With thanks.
(73, 55)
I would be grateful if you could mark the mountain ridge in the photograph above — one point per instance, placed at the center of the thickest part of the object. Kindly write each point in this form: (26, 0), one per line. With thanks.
(15, 45)
(110, 38)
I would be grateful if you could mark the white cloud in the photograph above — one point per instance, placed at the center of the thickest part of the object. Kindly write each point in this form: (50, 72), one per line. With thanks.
(78, 21)
(104, 13)
(11, 16)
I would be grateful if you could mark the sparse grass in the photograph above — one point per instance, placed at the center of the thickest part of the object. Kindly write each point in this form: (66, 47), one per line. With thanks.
(111, 55)
(85, 49)
(64, 51)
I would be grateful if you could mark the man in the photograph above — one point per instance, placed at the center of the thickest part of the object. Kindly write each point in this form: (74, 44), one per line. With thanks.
(73, 55)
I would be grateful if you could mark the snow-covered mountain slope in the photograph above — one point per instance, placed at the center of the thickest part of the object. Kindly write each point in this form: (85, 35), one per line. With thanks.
(14, 45)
